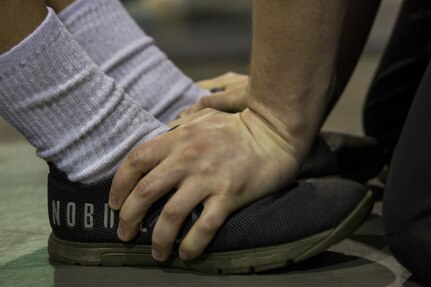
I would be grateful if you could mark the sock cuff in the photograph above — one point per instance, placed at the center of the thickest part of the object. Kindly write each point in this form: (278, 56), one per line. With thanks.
(32, 46)
(81, 8)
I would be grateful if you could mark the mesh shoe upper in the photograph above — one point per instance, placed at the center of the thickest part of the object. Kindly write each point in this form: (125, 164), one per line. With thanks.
(80, 213)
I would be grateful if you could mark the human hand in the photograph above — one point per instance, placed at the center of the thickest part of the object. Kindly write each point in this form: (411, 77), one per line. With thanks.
(231, 91)
(224, 161)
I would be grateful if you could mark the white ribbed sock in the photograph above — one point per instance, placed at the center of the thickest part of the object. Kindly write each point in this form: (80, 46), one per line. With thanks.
(115, 42)
(65, 106)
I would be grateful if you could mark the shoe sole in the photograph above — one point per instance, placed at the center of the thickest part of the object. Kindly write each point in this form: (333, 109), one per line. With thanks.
(231, 262)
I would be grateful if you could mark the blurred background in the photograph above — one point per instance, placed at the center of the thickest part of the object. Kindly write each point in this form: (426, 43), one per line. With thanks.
(207, 38)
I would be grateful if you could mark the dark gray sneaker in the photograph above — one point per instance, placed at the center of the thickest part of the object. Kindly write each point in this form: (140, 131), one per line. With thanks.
(286, 227)
(346, 156)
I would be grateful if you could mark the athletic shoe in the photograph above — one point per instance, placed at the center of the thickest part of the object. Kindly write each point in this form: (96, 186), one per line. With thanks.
(346, 156)
(286, 227)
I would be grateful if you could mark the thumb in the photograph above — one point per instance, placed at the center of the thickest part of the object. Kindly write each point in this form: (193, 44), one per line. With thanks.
(221, 101)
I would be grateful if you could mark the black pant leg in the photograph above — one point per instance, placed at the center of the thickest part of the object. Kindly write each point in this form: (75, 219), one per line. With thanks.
(407, 200)
(399, 74)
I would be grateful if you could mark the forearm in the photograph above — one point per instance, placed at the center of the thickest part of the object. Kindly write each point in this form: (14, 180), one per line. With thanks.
(293, 60)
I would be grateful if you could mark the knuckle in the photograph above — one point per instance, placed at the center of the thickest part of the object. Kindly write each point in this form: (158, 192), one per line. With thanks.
(128, 222)
(208, 168)
(143, 189)
(117, 185)
(124, 219)
(210, 224)
(171, 211)
(141, 156)
(187, 129)
(134, 158)
(191, 152)
(156, 241)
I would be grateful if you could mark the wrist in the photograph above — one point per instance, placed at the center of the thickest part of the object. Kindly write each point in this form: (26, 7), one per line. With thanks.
(294, 125)
(276, 133)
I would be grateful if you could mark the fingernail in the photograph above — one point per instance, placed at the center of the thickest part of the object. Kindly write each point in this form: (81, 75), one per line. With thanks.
(184, 256)
(120, 232)
(156, 254)
(113, 200)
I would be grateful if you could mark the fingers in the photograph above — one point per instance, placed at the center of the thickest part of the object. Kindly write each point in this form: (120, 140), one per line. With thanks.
(223, 97)
(138, 163)
(215, 212)
(222, 101)
(176, 210)
(148, 190)
(234, 100)
(221, 81)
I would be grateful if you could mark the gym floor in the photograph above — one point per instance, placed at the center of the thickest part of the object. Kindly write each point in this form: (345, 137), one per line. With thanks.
(360, 260)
